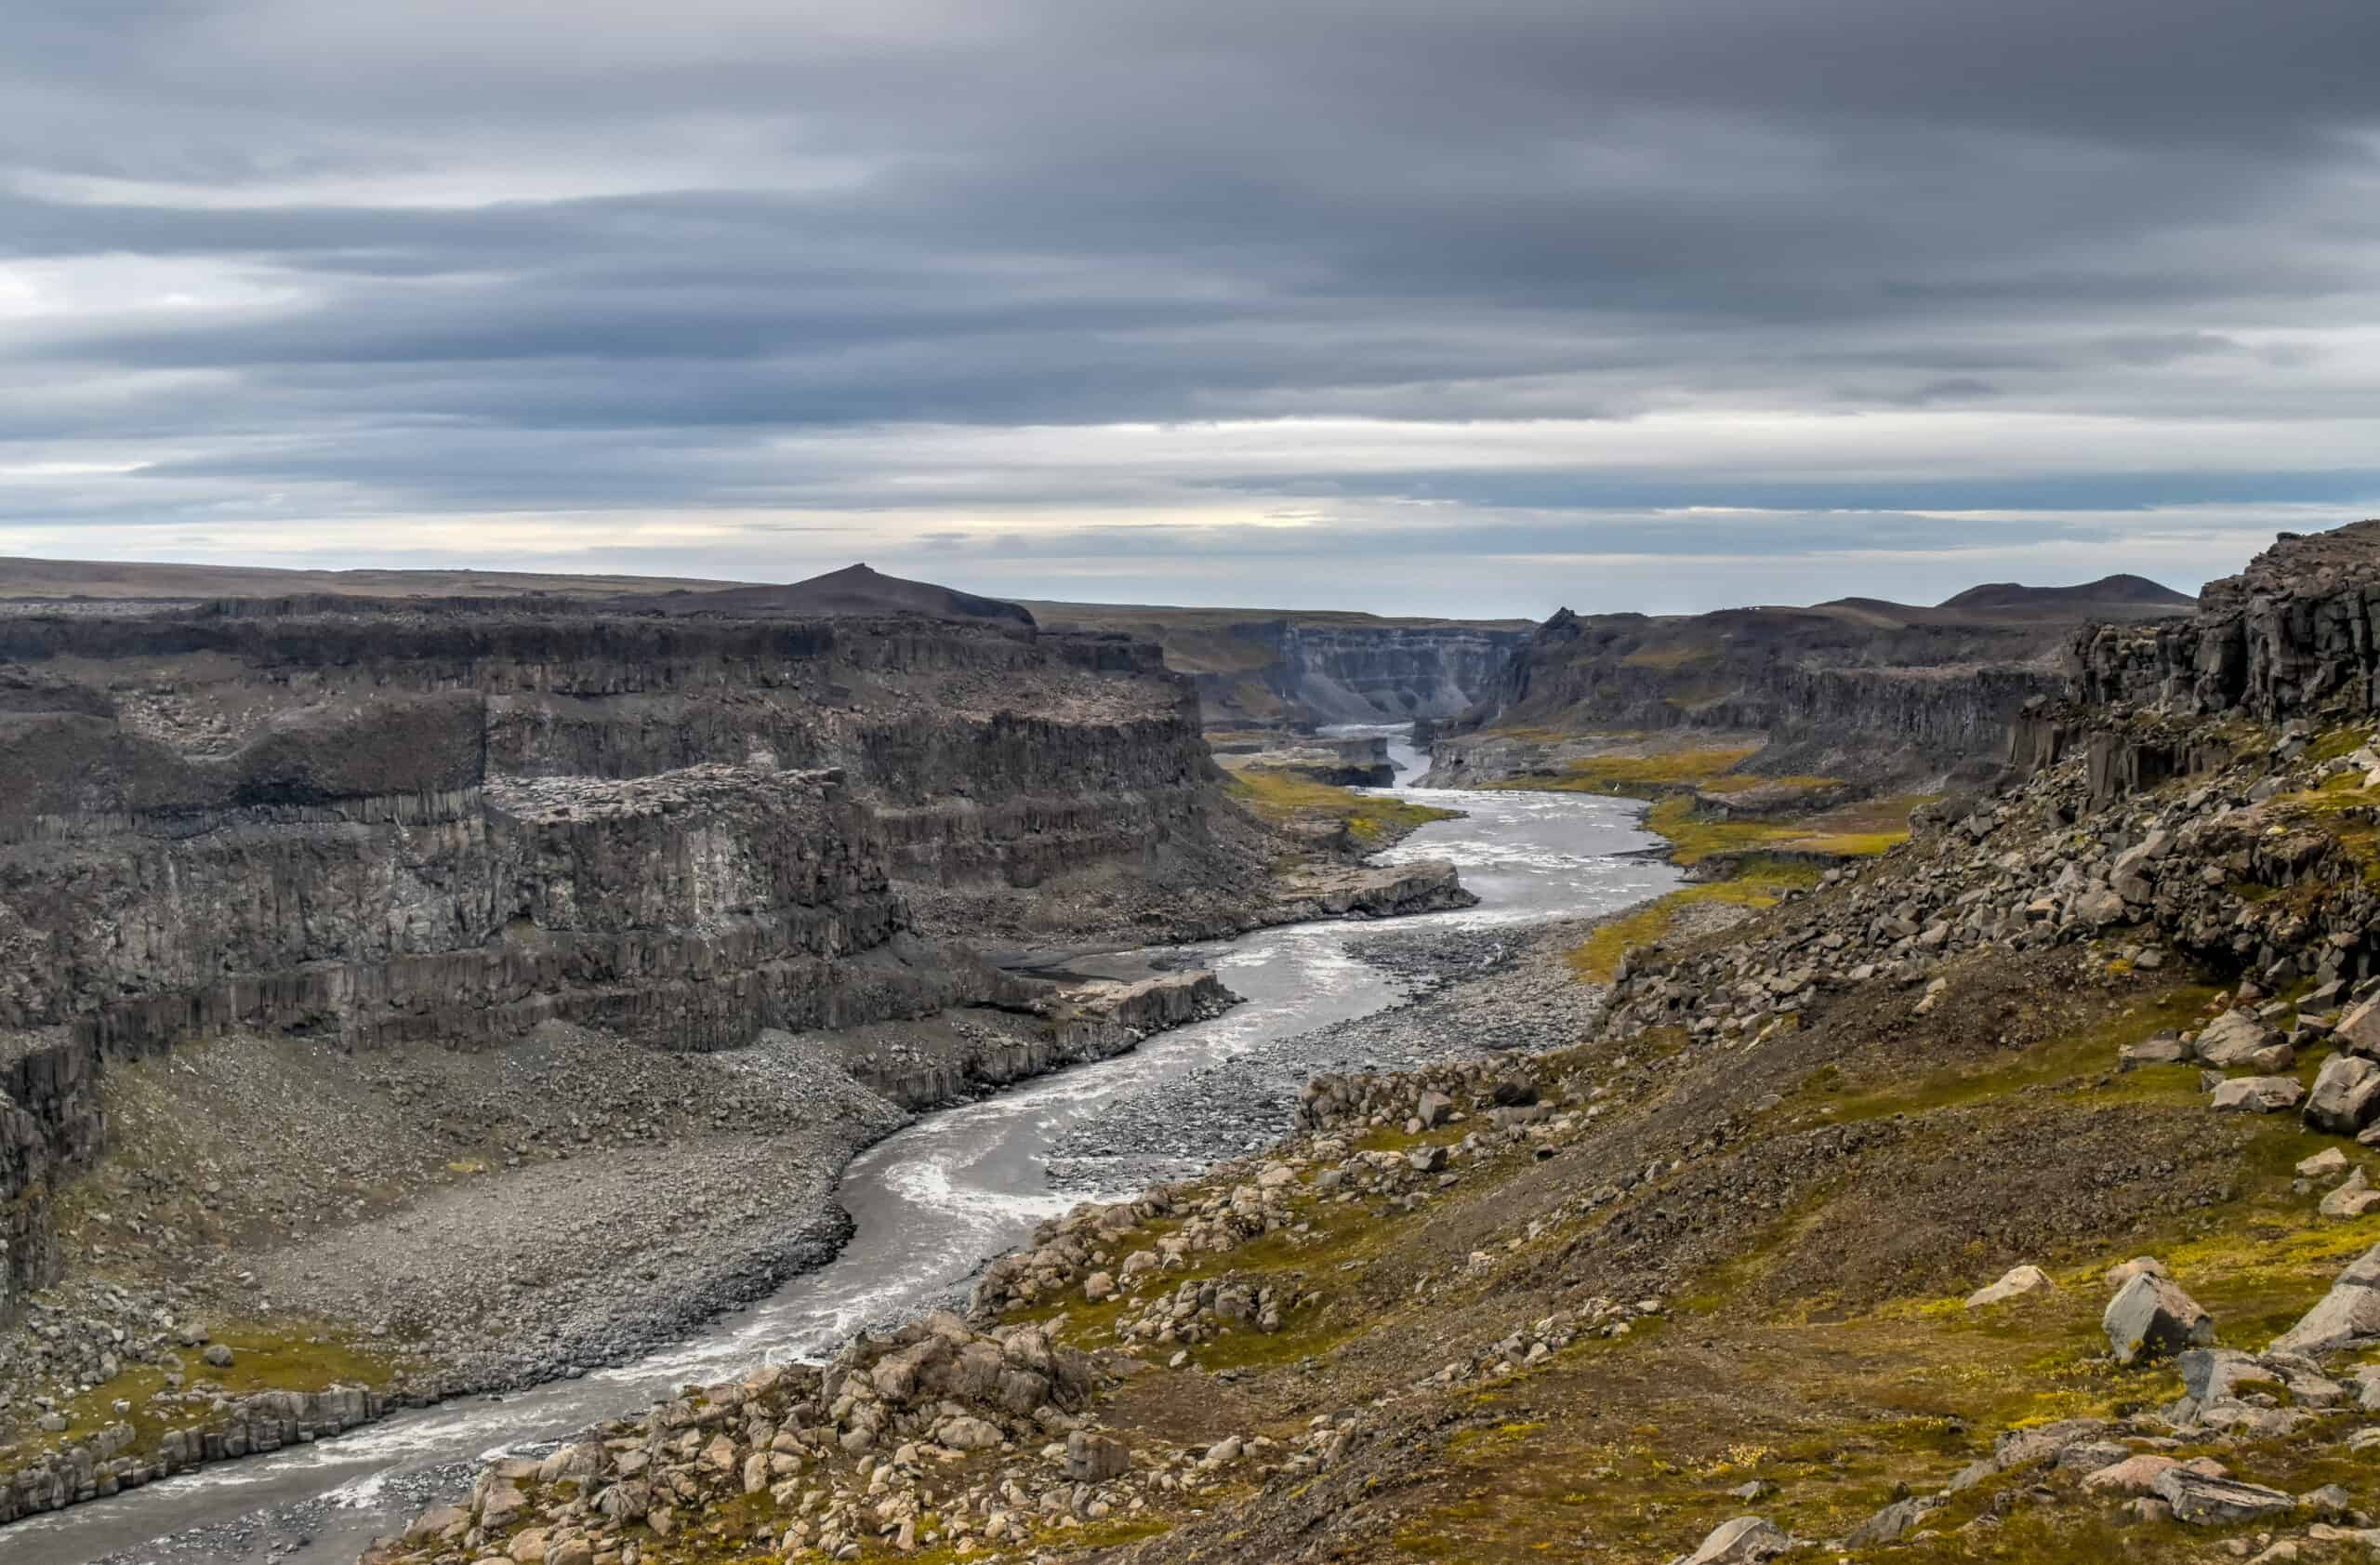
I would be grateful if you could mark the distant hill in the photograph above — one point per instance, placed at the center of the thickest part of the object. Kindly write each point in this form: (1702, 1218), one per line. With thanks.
(2011, 603)
(24, 579)
(2109, 591)
(852, 590)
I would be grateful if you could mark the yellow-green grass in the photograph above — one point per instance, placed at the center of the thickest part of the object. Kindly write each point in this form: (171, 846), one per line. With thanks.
(2079, 1059)
(1636, 776)
(1281, 798)
(1852, 1409)
(287, 1357)
(1861, 831)
(2338, 742)
(1598, 957)
(1668, 657)
(2345, 810)
(1745, 782)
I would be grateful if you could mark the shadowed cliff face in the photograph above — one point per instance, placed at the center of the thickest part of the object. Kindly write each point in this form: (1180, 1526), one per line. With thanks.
(2295, 634)
(1859, 689)
(384, 823)
(2295, 638)
(1254, 669)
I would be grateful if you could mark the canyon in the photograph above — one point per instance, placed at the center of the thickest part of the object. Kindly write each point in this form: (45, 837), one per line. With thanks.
(2025, 935)
(456, 840)
(2000, 1191)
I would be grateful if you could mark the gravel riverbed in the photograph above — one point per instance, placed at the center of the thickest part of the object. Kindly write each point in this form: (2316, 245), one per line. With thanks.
(1469, 991)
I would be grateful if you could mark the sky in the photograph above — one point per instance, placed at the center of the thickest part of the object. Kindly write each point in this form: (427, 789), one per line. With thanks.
(1481, 308)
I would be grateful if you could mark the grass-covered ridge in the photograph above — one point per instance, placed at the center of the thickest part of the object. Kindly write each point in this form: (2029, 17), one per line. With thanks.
(1281, 799)
(1860, 831)
(282, 1358)
(1636, 776)
(1761, 885)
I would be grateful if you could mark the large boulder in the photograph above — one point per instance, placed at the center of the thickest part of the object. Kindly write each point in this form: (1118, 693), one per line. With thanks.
(2151, 1318)
(2353, 1197)
(2358, 1031)
(2345, 1095)
(2215, 1502)
(2232, 1039)
(1893, 1523)
(1746, 1539)
(1095, 1458)
(2016, 1283)
(2351, 1309)
(2259, 1095)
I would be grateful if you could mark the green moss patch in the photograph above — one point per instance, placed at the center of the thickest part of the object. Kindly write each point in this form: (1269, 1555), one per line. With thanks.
(1280, 799)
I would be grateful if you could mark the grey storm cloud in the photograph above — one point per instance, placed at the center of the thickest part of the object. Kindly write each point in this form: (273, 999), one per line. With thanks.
(264, 261)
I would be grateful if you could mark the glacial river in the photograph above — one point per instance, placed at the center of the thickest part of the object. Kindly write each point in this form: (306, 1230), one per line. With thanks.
(930, 1204)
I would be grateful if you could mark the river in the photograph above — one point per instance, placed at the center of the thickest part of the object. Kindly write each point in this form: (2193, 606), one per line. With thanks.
(930, 1204)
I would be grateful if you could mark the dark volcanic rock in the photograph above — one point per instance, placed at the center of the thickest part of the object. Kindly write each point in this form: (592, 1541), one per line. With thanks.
(1857, 688)
(2292, 635)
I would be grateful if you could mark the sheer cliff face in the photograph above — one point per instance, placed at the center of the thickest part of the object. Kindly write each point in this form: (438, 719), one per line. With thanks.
(1393, 674)
(449, 822)
(1842, 690)
(1254, 669)
(2295, 634)
(441, 820)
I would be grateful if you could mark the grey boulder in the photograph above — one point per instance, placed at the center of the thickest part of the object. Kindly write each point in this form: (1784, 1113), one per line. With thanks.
(2231, 1039)
(2351, 1309)
(2259, 1095)
(1745, 1539)
(2345, 1095)
(2151, 1318)
(2213, 1502)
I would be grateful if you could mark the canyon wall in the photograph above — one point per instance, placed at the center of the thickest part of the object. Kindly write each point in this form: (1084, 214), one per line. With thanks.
(1254, 669)
(374, 823)
(1835, 693)
(1859, 689)
(2295, 638)
(2296, 635)
(1388, 674)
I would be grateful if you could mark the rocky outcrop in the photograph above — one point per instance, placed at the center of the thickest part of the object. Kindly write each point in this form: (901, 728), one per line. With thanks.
(115, 1458)
(2295, 634)
(1094, 1020)
(1367, 891)
(853, 1449)
(1337, 762)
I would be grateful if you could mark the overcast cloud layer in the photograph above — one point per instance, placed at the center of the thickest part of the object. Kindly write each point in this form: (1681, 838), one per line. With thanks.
(1396, 305)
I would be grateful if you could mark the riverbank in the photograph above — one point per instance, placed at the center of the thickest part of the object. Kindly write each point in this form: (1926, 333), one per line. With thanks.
(608, 1200)
(1717, 1269)
(928, 1203)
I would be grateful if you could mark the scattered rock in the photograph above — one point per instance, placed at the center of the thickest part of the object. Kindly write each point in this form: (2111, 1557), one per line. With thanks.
(2151, 1317)
(2213, 1502)
(2259, 1094)
(1746, 1539)
(2016, 1283)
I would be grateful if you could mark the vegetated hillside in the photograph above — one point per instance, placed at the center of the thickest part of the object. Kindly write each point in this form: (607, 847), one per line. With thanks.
(1859, 689)
(1265, 670)
(2002, 1197)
